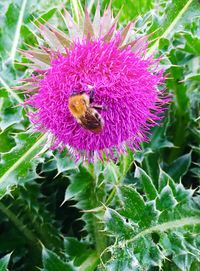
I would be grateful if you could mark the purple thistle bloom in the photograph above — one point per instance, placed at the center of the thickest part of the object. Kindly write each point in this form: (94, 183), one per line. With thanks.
(128, 85)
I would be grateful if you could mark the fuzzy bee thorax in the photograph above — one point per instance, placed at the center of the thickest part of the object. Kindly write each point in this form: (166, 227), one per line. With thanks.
(78, 105)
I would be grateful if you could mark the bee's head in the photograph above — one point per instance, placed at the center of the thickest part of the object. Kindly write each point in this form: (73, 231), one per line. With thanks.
(76, 93)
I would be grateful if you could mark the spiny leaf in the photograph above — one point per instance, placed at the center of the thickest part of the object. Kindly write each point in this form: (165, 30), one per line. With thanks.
(179, 167)
(9, 30)
(15, 164)
(126, 161)
(192, 44)
(4, 262)
(164, 180)
(18, 28)
(179, 215)
(133, 205)
(52, 262)
(147, 183)
(10, 113)
(193, 77)
(111, 173)
(45, 17)
(83, 257)
(79, 183)
(118, 225)
(169, 22)
(166, 199)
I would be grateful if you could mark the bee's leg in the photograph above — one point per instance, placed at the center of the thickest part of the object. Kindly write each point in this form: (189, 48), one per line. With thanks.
(100, 107)
(91, 95)
(75, 92)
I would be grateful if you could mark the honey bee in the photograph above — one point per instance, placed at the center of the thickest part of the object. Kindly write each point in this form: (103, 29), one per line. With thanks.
(86, 114)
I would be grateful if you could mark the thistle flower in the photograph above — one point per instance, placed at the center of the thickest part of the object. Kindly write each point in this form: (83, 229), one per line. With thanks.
(96, 56)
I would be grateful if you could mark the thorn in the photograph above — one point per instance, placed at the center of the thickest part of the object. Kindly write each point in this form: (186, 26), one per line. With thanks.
(93, 210)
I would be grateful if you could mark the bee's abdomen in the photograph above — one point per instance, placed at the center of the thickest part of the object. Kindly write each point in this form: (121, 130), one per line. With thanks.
(92, 121)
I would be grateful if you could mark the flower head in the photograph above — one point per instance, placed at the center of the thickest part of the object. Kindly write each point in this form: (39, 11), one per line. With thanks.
(109, 64)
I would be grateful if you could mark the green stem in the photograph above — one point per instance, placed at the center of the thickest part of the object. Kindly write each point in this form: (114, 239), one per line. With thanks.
(100, 238)
(111, 196)
(96, 199)
(90, 263)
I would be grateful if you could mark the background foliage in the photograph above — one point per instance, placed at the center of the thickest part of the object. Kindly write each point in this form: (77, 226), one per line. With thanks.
(139, 214)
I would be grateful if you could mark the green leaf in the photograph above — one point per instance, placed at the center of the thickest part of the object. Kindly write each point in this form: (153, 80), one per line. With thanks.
(118, 225)
(171, 17)
(6, 141)
(8, 30)
(17, 30)
(46, 16)
(9, 90)
(164, 180)
(11, 29)
(166, 199)
(83, 188)
(125, 163)
(150, 165)
(83, 257)
(147, 183)
(28, 36)
(193, 77)
(16, 160)
(4, 262)
(11, 112)
(159, 139)
(80, 181)
(180, 90)
(150, 254)
(64, 162)
(192, 44)
(131, 9)
(145, 247)
(15, 164)
(52, 262)
(179, 167)
(111, 173)
(134, 206)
